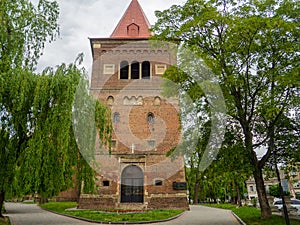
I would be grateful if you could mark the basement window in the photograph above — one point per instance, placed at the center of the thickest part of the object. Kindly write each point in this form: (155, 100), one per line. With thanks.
(106, 183)
(158, 182)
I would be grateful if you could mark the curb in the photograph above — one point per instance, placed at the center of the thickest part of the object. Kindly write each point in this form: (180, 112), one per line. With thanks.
(101, 222)
(239, 219)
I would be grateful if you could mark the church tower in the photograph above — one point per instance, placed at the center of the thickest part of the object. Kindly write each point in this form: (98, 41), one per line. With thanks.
(136, 173)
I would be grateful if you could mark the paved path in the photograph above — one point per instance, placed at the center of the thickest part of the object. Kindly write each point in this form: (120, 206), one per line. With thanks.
(200, 215)
(30, 214)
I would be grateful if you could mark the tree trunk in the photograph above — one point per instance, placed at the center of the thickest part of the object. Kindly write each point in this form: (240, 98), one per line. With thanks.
(196, 193)
(2, 196)
(262, 195)
(43, 200)
(239, 202)
(257, 173)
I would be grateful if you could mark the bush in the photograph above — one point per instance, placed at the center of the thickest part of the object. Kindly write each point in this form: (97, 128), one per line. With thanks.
(274, 191)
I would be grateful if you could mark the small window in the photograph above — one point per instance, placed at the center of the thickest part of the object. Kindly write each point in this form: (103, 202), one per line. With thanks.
(158, 182)
(157, 101)
(113, 144)
(251, 188)
(116, 117)
(124, 70)
(146, 70)
(135, 70)
(110, 100)
(106, 183)
(150, 118)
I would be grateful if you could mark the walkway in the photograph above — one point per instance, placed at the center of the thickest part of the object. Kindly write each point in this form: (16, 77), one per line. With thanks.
(30, 214)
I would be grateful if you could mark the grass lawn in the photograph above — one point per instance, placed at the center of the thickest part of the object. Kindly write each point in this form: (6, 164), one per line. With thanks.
(61, 207)
(2, 222)
(251, 215)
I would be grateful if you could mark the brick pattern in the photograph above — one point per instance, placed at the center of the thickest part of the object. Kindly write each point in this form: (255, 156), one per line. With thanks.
(137, 141)
(133, 24)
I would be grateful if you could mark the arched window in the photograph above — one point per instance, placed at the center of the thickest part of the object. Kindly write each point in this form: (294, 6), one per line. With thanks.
(135, 70)
(146, 70)
(124, 70)
(132, 184)
(110, 100)
(116, 118)
(157, 100)
(150, 118)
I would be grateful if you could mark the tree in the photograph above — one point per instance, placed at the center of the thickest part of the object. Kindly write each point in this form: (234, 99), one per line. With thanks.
(253, 48)
(38, 143)
(24, 30)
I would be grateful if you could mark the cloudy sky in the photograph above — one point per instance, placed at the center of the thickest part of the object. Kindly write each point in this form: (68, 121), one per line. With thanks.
(80, 20)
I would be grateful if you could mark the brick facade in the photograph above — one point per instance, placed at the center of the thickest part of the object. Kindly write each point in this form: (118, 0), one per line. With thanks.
(137, 174)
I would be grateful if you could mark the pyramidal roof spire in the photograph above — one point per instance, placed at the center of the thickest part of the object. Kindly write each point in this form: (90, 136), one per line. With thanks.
(133, 24)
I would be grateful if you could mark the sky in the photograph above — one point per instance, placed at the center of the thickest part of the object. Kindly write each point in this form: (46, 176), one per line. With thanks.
(80, 20)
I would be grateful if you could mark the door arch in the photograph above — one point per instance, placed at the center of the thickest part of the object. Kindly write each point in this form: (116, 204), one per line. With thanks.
(132, 185)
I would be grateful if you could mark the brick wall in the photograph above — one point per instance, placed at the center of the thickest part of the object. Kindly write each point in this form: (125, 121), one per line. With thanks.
(137, 141)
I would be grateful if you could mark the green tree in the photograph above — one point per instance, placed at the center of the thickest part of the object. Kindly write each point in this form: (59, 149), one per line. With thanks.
(274, 190)
(24, 30)
(253, 48)
(39, 145)
(39, 149)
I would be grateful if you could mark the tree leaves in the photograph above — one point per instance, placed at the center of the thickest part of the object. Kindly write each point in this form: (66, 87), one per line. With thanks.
(253, 48)
(24, 30)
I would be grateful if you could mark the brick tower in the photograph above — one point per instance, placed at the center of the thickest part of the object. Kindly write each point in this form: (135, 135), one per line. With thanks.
(136, 173)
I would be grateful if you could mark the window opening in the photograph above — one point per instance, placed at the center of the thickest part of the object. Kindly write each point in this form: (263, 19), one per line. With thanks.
(135, 70)
(158, 182)
(116, 117)
(146, 70)
(124, 70)
(106, 183)
(150, 118)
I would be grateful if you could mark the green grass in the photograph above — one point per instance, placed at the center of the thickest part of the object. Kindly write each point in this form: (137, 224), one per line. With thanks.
(2, 222)
(61, 207)
(251, 215)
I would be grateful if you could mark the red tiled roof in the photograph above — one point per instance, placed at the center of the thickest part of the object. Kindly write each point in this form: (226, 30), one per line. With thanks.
(133, 24)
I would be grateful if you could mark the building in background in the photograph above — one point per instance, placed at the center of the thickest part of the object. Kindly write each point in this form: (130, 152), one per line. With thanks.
(290, 183)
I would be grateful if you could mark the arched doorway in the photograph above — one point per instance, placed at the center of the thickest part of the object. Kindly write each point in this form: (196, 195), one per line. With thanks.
(132, 184)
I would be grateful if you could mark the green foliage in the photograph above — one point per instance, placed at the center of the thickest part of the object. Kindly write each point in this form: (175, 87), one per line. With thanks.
(274, 191)
(254, 202)
(251, 215)
(39, 152)
(4, 221)
(39, 146)
(24, 30)
(253, 49)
